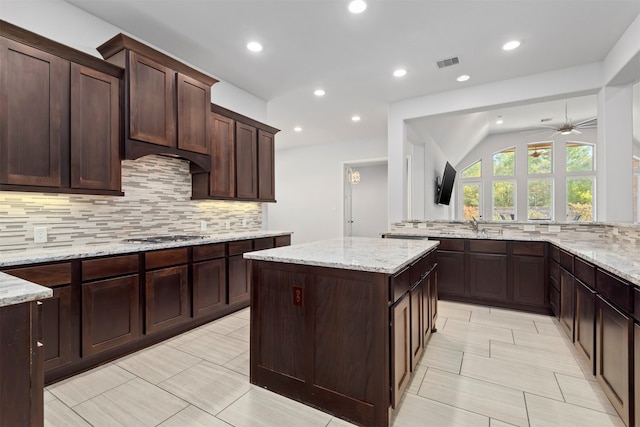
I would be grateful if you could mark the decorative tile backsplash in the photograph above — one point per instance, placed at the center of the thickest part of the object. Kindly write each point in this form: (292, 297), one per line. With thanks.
(157, 201)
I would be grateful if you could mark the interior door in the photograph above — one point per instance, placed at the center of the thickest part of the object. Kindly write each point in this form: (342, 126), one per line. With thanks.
(348, 211)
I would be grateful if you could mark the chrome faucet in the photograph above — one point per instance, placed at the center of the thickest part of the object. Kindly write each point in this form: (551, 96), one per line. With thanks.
(474, 224)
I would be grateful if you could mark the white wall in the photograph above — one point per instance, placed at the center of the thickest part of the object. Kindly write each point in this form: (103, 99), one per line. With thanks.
(309, 187)
(369, 201)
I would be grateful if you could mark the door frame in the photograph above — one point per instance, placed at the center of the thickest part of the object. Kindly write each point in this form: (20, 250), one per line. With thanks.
(346, 198)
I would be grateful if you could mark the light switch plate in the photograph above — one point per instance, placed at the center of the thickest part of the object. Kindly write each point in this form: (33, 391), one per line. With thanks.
(40, 234)
(530, 227)
(554, 229)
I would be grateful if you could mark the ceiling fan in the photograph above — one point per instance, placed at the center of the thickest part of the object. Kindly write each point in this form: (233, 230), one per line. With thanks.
(568, 127)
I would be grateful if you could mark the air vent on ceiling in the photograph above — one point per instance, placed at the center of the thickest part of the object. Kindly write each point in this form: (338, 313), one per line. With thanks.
(548, 119)
(448, 62)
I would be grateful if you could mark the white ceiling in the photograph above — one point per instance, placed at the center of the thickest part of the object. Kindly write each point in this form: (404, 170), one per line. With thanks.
(317, 43)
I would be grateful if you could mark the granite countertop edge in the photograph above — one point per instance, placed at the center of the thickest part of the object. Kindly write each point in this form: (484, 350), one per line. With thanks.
(14, 290)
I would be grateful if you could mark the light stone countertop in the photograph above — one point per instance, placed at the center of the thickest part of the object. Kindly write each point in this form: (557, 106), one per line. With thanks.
(15, 291)
(35, 256)
(623, 261)
(350, 253)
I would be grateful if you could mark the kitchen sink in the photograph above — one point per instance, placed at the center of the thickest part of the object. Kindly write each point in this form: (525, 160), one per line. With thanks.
(164, 239)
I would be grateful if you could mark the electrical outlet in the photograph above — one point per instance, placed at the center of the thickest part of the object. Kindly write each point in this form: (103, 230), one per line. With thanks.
(615, 231)
(530, 227)
(228, 225)
(408, 225)
(422, 225)
(554, 229)
(203, 225)
(40, 234)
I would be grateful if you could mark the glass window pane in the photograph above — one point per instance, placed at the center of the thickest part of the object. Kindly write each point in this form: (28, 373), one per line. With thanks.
(473, 171)
(539, 158)
(504, 201)
(579, 157)
(580, 199)
(540, 196)
(504, 163)
(470, 201)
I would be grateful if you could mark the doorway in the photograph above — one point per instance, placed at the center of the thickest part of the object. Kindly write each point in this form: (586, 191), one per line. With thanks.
(365, 198)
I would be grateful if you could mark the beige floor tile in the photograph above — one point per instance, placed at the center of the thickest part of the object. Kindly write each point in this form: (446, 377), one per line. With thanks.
(48, 396)
(134, 403)
(240, 364)
(193, 417)
(89, 384)
(208, 386)
(545, 412)
(475, 330)
(476, 396)
(226, 325)
(245, 313)
(181, 339)
(461, 343)
(585, 393)
(533, 380)
(241, 334)
(552, 329)
(416, 379)
(57, 414)
(498, 423)
(543, 342)
(441, 321)
(518, 323)
(504, 312)
(264, 408)
(442, 358)
(157, 364)
(215, 348)
(337, 422)
(419, 411)
(454, 313)
(463, 306)
(536, 358)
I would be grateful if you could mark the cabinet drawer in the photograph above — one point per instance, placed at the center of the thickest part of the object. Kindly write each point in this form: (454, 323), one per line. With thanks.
(240, 247)
(585, 272)
(109, 267)
(636, 310)
(204, 252)
(554, 252)
(614, 290)
(528, 248)
(400, 283)
(554, 271)
(283, 240)
(165, 258)
(566, 260)
(264, 243)
(44, 275)
(451, 245)
(488, 246)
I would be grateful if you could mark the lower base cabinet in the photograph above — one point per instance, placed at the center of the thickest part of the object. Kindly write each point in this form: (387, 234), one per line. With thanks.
(167, 298)
(567, 302)
(401, 348)
(636, 368)
(56, 328)
(209, 287)
(417, 323)
(585, 323)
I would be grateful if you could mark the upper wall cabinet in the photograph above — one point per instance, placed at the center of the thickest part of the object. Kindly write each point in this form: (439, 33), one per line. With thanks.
(242, 159)
(166, 103)
(59, 117)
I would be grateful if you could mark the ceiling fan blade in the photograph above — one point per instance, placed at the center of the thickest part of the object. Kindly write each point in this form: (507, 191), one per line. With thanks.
(588, 122)
(574, 130)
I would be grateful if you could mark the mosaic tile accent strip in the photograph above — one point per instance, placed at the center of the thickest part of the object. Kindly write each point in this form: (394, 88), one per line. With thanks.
(157, 201)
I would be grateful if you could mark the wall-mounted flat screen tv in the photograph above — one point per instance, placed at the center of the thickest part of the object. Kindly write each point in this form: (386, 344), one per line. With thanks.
(444, 187)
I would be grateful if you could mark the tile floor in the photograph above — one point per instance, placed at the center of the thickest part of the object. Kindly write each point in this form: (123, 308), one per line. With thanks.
(485, 367)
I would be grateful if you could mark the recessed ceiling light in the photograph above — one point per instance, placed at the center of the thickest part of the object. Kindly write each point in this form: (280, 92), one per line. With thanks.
(357, 6)
(254, 46)
(318, 92)
(355, 118)
(499, 121)
(297, 129)
(463, 78)
(513, 44)
(400, 72)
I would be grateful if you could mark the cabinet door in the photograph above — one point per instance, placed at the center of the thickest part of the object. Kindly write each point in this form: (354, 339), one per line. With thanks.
(529, 284)
(95, 129)
(400, 348)
(266, 165)
(56, 328)
(34, 116)
(554, 299)
(223, 157)
(152, 116)
(433, 296)
(585, 325)
(451, 276)
(167, 298)
(636, 363)
(487, 276)
(246, 161)
(239, 291)
(614, 334)
(417, 325)
(194, 106)
(567, 302)
(109, 313)
(426, 309)
(209, 287)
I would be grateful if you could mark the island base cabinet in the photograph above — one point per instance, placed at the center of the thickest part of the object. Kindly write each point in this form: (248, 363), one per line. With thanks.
(567, 302)
(614, 333)
(417, 324)
(586, 323)
(401, 348)
(636, 369)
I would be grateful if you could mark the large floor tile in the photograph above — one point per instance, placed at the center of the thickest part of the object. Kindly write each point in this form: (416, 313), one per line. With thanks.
(460, 343)
(227, 325)
(558, 344)
(241, 333)
(585, 393)
(193, 417)
(545, 412)
(337, 422)
(240, 364)
(158, 363)
(134, 403)
(208, 386)
(89, 384)
(463, 306)
(522, 324)
(419, 411)
(498, 423)
(442, 358)
(533, 380)
(181, 339)
(477, 396)
(215, 348)
(416, 379)
(245, 313)
(476, 330)
(264, 408)
(515, 314)
(454, 313)
(57, 414)
(536, 358)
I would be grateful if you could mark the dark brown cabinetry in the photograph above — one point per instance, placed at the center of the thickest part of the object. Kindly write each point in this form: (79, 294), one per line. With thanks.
(554, 280)
(266, 165)
(209, 279)
(451, 280)
(417, 323)
(166, 289)
(567, 302)
(59, 119)
(246, 161)
(488, 269)
(636, 369)
(585, 311)
(528, 273)
(222, 179)
(400, 348)
(239, 289)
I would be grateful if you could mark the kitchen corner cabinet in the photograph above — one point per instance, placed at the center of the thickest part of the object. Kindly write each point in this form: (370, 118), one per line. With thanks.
(59, 118)
(528, 272)
(451, 261)
(488, 269)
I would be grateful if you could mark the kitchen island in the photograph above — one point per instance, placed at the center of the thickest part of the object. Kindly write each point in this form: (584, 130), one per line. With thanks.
(339, 324)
